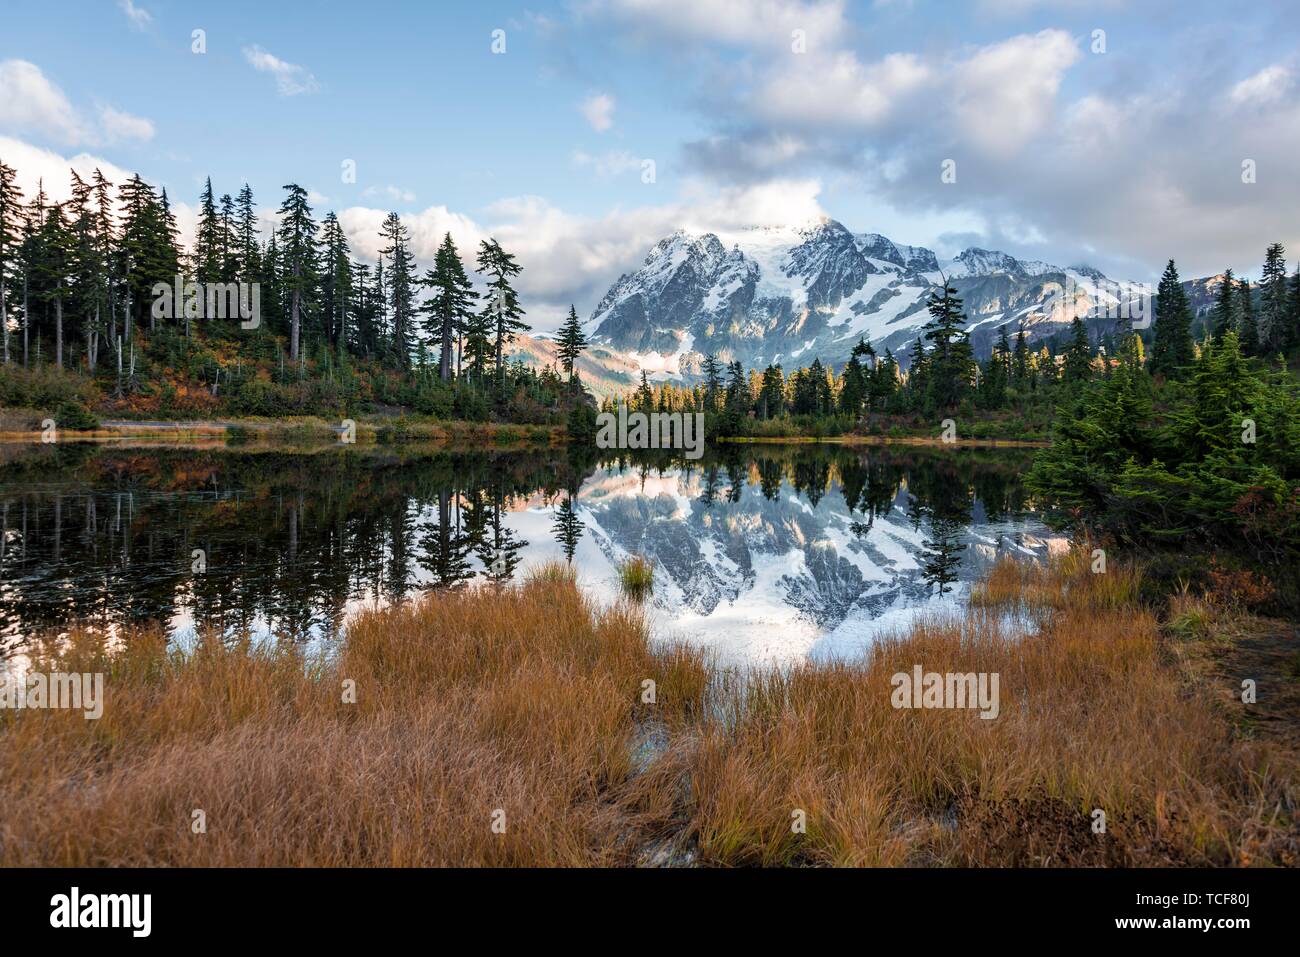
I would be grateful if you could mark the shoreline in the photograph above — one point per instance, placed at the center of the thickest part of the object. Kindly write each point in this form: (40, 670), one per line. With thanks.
(369, 431)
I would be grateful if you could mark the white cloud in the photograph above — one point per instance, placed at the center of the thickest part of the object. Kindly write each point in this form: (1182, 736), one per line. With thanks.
(30, 102)
(1267, 86)
(290, 78)
(427, 227)
(1007, 91)
(573, 259)
(119, 125)
(599, 111)
(840, 89)
(765, 23)
(139, 16)
(36, 165)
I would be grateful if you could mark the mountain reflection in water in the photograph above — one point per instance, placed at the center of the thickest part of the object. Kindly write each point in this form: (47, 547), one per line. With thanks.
(763, 553)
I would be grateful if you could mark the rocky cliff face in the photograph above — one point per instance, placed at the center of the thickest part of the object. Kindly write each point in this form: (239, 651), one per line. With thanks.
(790, 294)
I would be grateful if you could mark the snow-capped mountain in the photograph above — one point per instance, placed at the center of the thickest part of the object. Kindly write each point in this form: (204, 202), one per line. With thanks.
(790, 294)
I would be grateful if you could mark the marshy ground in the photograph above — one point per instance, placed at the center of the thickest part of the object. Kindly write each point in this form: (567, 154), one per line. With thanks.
(517, 726)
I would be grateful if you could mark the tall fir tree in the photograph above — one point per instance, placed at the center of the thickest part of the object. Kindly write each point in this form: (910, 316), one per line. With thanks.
(450, 306)
(400, 274)
(572, 341)
(1172, 347)
(1224, 315)
(1247, 327)
(11, 218)
(951, 363)
(1273, 304)
(1078, 355)
(298, 260)
(503, 308)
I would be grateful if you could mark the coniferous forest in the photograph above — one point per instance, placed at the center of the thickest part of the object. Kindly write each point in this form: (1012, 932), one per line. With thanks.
(87, 333)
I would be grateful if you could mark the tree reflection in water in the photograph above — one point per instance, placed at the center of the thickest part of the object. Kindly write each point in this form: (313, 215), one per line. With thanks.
(107, 535)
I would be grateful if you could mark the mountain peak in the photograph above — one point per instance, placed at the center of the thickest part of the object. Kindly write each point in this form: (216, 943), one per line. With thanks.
(791, 292)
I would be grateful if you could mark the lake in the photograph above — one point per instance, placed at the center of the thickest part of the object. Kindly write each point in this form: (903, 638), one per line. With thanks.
(763, 553)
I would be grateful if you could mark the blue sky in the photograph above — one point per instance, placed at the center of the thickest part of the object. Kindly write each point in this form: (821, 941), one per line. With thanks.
(1120, 157)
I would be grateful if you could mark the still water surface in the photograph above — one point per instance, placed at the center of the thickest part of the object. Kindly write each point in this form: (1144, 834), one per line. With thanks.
(764, 554)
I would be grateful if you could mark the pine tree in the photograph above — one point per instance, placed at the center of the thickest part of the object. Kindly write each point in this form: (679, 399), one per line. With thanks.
(336, 282)
(738, 400)
(1020, 371)
(1247, 329)
(401, 286)
(450, 306)
(1172, 348)
(11, 216)
(88, 268)
(246, 235)
(1273, 305)
(207, 238)
(884, 382)
(572, 341)
(918, 379)
(1078, 355)
(854, 389)
(993, 385)
(57, 252)
(712, 382)
(297, 235)
(1291, 334)
(771, 399)
(1225, 307)
(951, 362)
(503, 309)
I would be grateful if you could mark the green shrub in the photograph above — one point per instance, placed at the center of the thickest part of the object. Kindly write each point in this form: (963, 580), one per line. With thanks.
(75, 416)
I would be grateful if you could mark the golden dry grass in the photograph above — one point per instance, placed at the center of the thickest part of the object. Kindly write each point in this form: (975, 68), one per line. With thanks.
(529, 700)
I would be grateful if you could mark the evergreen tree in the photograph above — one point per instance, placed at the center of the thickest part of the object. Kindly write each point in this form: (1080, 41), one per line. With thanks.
(451, 305)
(712, 382)
(771, 400)
(918, 378)
(503, 309)
(1171, 350)
(11, 216)
(738, 400)
(401, 287)
(572, 341)
(1225, 307)
(951, 363)
(246, 235)
(1078, 355)
(855, 388)
(206, 259)
(1291, 335)
(298, 254)
(336, 282)
(884, 382)
(1273, 305)
(1248, 331)
(993, 384)
(1020, 371)
(567, 527)
(54, 268)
